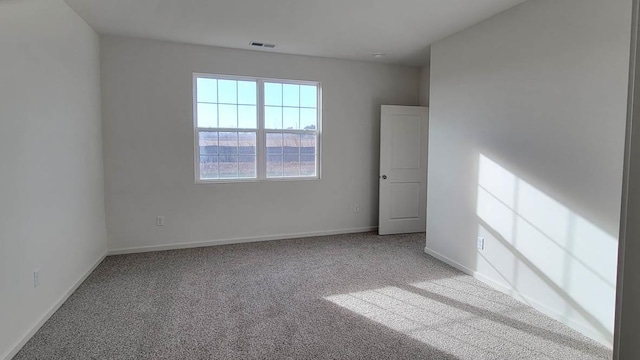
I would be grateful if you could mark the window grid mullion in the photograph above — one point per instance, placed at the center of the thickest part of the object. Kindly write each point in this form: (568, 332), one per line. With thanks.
(237, 104)
(221, 103)
(291, 131)
(218, 115)
(196, 160)
(261, 146)
(299, 105)
(237, 146)
(218, 156)
(299, 147)
(212, 129)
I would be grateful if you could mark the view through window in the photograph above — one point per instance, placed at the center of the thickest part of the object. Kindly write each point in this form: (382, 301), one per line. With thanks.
(254, 128)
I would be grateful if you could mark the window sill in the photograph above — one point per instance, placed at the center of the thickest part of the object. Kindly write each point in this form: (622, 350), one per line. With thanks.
(244, 181)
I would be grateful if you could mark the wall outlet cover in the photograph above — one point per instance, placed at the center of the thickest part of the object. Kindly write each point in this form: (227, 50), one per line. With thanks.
(36, 278)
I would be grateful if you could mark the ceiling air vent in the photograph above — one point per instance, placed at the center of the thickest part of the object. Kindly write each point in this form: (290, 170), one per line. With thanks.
(262, 45)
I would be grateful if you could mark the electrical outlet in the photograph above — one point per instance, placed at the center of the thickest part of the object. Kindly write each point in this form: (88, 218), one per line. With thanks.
(480, 243)
(159, 220)
(36, 278)
(356, 208)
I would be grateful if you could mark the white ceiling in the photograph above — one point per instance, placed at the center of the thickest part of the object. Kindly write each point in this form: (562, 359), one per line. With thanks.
(345, 29)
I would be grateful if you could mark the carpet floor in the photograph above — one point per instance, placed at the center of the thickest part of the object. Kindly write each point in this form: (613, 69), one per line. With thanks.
(356, 296)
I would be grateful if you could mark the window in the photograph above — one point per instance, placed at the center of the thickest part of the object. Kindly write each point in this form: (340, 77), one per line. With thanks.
(256, 129)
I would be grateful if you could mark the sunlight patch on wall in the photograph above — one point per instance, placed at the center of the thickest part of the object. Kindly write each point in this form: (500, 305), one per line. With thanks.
(533, 239)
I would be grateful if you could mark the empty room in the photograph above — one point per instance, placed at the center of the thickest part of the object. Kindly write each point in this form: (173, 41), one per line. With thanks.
(337, 179)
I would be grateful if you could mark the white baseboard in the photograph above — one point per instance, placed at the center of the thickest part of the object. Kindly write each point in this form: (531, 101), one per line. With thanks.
(550, 312)
(237, 241)
(26, 336)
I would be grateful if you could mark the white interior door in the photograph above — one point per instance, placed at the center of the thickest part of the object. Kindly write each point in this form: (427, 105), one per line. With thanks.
(403, 169)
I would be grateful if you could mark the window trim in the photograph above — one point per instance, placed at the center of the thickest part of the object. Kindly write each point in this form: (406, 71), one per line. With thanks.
(261, 131)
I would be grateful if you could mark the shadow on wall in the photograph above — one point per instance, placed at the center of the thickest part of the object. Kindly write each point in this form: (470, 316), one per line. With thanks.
(544, 250)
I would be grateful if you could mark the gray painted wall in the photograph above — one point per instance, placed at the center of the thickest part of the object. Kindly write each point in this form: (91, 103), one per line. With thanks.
(51, 187)
(148, 137)
(527, 124)
(424, 85)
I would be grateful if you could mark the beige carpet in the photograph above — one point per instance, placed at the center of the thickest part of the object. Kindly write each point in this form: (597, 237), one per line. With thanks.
(357, 296)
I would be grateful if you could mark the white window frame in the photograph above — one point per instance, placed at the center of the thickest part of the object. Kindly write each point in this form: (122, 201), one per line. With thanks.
(261, 132)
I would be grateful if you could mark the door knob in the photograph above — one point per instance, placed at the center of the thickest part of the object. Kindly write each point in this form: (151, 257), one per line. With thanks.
(384, 177)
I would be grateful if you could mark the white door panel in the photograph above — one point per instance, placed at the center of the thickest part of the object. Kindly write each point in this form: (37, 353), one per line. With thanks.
(403, 169)
(405, 200)
(404, 142)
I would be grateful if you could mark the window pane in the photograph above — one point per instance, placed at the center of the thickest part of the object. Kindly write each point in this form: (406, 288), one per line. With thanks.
(291, 165)
(308, 96)
(208, 142)
(228, 116)
(291, 118)
(247, 143)
(247, 166)
(272, 117)
(207, 90)
(291, 95)
(228, 143)
(227, 91)
(308, 119)
(274, 165)
(291, 144)
(247, 117)
(307, 165)
(308, 144)
(247, 93)
(208, 167)
(274, 143)
(273, 94)
(228, 166)
(207, 115)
